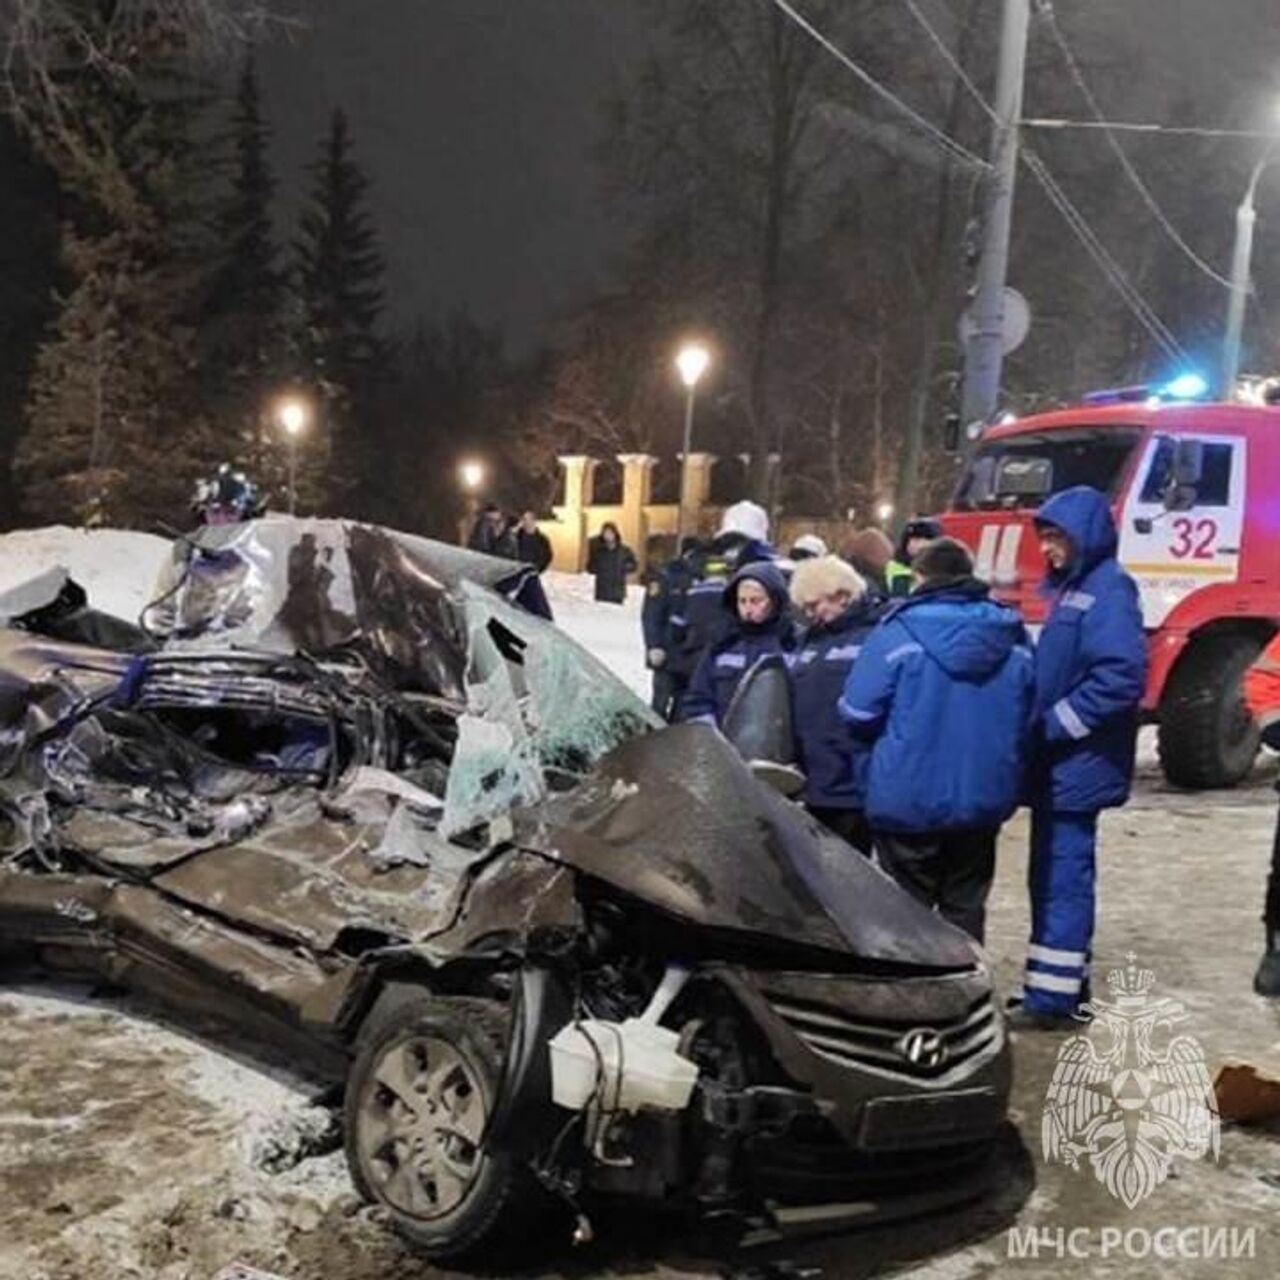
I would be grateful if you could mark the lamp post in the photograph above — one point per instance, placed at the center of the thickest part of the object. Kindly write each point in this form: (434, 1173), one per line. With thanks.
(691, 363)
(1241, 264)
(293, 421)
(471, 476)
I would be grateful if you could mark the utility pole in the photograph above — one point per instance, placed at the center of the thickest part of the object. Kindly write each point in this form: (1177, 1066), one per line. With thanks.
(1241, 263)
(984, 351)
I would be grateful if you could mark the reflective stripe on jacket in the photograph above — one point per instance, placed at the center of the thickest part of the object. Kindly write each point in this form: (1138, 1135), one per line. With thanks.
(1091, 664)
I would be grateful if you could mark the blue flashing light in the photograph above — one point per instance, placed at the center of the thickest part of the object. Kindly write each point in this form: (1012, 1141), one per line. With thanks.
(1186, 386)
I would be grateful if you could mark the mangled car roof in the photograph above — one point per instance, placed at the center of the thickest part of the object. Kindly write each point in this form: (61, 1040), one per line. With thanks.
(286, 585)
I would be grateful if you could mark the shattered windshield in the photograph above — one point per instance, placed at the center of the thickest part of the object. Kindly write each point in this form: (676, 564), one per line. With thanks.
(540, 712)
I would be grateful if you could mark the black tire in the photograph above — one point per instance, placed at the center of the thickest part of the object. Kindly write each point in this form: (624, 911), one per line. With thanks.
(1207, 738)
(501, 1204)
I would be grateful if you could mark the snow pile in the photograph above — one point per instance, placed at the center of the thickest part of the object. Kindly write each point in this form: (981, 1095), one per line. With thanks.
(119, 570)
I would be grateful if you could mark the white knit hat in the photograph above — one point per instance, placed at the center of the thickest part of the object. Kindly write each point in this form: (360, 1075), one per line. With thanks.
(748, 519)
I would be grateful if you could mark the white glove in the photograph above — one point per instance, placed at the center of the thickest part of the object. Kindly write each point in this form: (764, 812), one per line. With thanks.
(657, 657)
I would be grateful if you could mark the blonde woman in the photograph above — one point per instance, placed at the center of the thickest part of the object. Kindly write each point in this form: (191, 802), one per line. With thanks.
(837, 612)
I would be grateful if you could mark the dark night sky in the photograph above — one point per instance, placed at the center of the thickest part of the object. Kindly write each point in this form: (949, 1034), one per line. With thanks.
(475, 120)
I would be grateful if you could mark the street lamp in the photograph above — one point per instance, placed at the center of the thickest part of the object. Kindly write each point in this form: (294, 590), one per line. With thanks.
(471, 474)
(692, 363)
(292, 414)
(884, 512)
(1241, 269)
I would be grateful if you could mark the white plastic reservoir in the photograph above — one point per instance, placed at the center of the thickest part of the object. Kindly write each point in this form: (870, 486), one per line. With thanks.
(623, 1066)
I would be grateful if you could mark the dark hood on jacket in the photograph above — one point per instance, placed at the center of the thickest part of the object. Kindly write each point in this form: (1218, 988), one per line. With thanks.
(968, 635)
(770, 577)
(1084, 515)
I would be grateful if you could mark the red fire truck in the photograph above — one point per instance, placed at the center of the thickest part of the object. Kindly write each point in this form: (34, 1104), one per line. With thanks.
(1196, 493)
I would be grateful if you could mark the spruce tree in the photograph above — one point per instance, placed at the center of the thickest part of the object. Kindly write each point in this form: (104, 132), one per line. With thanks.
(245, 364)
(339, 278)
(114, 429)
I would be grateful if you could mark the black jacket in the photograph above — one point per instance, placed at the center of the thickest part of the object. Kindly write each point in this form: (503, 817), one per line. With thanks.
(610, 566)
(533, 548)
(492, 542)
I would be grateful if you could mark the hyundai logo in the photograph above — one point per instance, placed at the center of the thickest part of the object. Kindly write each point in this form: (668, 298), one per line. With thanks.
(923, 1047)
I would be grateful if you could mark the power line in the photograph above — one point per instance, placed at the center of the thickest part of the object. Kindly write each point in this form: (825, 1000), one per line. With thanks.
(945, 50)
(1141, 308)
(1046, 10)
(1137, 126)
(1111, 269)
(943, 139)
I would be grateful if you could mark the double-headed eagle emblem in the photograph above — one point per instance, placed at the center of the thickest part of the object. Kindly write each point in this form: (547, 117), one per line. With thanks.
(1128, 1096)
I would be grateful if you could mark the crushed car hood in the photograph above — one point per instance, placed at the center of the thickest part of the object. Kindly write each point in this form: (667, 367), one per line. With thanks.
(677, 820)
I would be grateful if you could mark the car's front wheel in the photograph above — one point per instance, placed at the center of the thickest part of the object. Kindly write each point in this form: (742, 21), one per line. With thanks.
(419, 1097)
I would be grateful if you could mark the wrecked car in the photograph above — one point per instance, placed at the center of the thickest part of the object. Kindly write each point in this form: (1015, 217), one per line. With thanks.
(339, 789)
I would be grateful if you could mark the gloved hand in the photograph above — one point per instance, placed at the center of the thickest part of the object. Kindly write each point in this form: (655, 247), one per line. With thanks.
(657, 658)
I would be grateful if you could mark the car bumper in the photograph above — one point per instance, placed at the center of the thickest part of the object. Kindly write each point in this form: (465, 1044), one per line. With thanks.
(840, 1039)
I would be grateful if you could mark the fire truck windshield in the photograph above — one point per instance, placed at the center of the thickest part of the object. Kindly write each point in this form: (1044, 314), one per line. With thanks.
(1020, 471)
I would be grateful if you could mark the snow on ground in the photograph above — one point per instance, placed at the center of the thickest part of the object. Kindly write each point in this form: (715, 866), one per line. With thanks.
(133, 1150)
(610, 631)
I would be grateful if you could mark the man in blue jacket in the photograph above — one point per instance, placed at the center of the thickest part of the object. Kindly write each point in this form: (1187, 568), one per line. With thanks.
(1091, 666)
(757, 623)
(943, 689)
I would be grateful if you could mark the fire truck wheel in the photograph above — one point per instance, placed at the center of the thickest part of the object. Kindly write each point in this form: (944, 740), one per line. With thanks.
(1207, 738)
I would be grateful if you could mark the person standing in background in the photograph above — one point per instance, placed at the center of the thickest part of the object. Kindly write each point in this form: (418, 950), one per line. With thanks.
(870, 551)
(532, 545)
(808, 546)
(610, 561)
(663, 622)
(916, 535)
(491, 534)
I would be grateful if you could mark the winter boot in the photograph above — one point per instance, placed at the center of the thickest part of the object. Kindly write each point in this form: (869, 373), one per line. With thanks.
(1266, 982)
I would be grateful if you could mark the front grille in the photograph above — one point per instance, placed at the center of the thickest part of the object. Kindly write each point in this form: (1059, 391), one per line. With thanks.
(885, 1045)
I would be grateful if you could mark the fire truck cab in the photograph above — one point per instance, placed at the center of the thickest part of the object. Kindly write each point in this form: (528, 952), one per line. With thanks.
(1196, 493)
